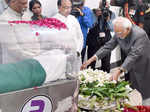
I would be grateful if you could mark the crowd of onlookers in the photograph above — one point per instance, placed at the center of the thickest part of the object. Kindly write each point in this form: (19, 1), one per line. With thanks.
(95, 24)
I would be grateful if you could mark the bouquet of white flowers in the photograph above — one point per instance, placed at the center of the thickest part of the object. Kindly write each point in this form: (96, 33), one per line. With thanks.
(98, 93)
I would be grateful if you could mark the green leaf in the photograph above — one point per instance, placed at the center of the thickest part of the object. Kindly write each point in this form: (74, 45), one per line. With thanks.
(121, 89)
(98, 94)
(82, 78)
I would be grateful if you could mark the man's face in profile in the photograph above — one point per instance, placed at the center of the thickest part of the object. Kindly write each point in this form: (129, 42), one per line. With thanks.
(65, 8)
(120, 31)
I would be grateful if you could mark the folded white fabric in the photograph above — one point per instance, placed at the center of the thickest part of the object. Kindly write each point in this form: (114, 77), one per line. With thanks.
(54, 64)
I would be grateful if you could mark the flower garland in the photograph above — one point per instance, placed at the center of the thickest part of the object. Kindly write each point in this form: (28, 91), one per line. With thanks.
(48, 22)
(96, 92)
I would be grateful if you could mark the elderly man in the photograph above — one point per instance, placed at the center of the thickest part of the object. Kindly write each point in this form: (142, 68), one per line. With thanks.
(15, 10)
(136, 46)
(73, 25)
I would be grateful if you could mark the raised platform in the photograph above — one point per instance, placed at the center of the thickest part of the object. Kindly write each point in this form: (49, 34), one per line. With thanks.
(59, 96)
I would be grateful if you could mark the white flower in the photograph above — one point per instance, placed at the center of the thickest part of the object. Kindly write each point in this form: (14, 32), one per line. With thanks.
(114, 81)
(91, 75)
(128, 88)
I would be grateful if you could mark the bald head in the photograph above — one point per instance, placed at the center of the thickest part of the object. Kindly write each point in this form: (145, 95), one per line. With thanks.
(18, 5)
(122, 26)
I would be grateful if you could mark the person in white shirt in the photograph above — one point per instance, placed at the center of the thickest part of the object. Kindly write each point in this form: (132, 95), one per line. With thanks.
(15, 10)
(74, 30)
(3, 5)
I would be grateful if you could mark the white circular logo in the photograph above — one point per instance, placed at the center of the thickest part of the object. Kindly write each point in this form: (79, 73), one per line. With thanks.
(38, 103)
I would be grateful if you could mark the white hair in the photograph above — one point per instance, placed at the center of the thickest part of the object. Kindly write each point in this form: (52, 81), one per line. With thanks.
(126, 23)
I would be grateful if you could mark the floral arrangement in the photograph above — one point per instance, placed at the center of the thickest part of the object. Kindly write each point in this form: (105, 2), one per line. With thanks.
(48, 22)
(98, 93)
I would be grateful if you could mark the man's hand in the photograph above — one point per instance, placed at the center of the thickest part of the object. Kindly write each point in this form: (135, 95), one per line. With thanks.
(115, 75)
(85, 64)
(81, 13)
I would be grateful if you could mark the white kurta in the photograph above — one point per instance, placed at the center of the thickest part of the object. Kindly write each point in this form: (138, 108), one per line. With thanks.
(11, 15)
(13, 43)
(74, 29)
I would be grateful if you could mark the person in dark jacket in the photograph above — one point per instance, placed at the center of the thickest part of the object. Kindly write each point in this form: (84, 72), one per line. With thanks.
(99, 35)
(135, 44)
(36, 8)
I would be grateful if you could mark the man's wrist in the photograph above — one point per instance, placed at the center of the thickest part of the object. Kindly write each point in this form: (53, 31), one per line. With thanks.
(82, 14)
(93, 58)
(122, 70)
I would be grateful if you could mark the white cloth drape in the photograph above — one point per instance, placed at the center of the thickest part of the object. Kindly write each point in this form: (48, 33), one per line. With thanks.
(53, 48)
(54, 64)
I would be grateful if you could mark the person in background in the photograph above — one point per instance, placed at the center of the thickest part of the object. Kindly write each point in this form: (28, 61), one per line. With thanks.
(100, 34)
(15, 11)
(135, 44)
(36, 8)
(74, 29)
(142, 17)
(85, 18)
(138, 12)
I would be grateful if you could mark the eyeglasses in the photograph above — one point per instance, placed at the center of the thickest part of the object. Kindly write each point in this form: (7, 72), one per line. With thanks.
(67, 7)
(119, 33)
